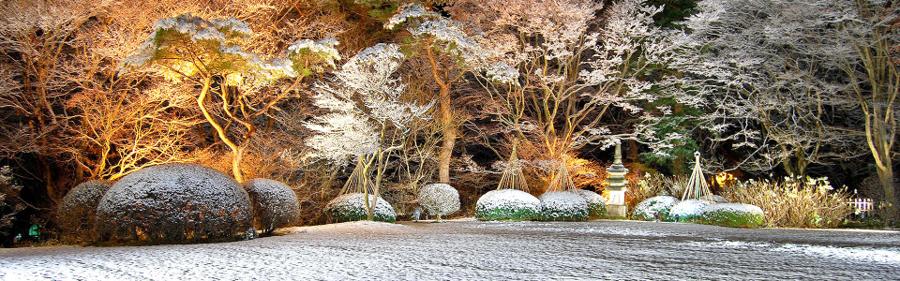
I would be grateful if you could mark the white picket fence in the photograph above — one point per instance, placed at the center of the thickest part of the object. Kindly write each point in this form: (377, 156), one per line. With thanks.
(861, 206)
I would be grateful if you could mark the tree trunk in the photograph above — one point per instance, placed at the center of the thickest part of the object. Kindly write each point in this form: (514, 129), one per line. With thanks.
(449, 138)
(448, 128)
(886, 177)
(236, 151)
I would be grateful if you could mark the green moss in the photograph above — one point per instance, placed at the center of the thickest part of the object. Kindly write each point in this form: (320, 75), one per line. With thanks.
(358, 215)
(596, 210)
(732, 219)
(506, 214)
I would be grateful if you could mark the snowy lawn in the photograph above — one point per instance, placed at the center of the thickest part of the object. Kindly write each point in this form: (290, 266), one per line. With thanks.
(465, 250)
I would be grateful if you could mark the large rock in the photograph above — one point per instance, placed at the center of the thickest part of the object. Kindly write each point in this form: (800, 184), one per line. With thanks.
(77, 212)
(733, 215)
(563, 206)
(507, 205)
(654, 208)
(439, 199)
(687, 210)
(274, 204)
(174, 203)
(596, 203)
(352, 207)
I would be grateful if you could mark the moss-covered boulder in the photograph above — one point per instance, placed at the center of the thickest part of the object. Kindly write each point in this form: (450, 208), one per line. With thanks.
(174, 203)
(733, 215)
(77, 212)
(687, 210)
(563, 206)
(274, 204)
(352, 207)
(596, 204)
(654, 208)
(507, 205)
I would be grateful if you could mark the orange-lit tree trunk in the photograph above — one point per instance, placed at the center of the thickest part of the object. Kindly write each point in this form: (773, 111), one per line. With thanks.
(237, 152)
(448, 126)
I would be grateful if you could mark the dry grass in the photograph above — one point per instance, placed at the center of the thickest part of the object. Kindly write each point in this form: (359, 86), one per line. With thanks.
(795, 202)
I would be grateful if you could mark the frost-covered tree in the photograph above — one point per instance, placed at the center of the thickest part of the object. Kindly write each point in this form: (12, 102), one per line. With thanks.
(875, 85)
(450, 54)
(567, 70)
(367, 117)
(768, 73)
(209, 54)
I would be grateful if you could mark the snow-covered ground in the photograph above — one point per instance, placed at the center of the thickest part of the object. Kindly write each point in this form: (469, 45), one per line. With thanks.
(467, 250)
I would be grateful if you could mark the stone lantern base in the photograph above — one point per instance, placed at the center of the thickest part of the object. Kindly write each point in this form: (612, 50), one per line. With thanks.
(616, 211)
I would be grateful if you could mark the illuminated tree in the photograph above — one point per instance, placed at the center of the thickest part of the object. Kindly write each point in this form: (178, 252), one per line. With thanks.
(450, 54)
(208, 53)
(367, 118)
(561, 80)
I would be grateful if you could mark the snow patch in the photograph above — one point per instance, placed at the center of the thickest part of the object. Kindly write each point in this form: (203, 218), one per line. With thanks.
(354, 227)
(508, 198)
(654, 208)
(734, 208)
(861, 254)
(352, 206)
(688, 209)
(563, 205)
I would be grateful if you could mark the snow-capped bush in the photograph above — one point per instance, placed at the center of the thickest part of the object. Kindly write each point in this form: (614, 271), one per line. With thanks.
(733, 215)
(563, 206)
(352, 207)
(174, 203)
(654, 208)
(687, 210)
(596, 204)
(274, 204)
(78, 210)
(714, 198)
(439, 199)
(507, 204)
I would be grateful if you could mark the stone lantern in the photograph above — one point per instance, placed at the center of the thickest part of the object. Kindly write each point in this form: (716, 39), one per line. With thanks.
(616, 178)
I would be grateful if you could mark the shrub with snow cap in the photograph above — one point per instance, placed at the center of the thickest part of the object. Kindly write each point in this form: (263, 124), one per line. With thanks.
(174, 203)
(654, 208)
(274, 204)
(439, 199)
(507, 205)
(596, 204)
(733, 215)
(78, 210)
(563, 206)
(714, 198)
(352, 207)
(687, 210)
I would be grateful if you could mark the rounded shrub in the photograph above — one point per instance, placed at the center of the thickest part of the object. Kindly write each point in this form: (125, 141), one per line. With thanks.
(596, 204)
(733, 215)
(352, 207)
(174, 203)
(507, 205)
(77, 212)
(563, 206)
(714, 198)
(439, 199)
(654, 208)
(274, 204)
(687, 210)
